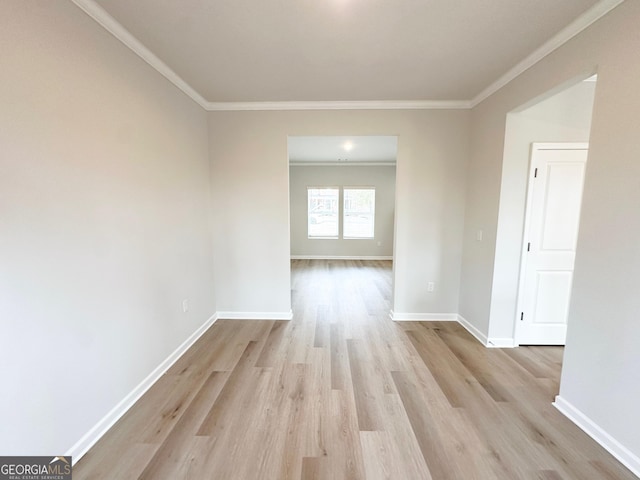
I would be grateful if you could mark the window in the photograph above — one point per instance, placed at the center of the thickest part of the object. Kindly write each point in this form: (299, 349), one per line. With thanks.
(323, 212)
(359, 212)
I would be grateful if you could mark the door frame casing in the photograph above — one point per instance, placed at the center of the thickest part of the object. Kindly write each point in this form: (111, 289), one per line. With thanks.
(535, 146)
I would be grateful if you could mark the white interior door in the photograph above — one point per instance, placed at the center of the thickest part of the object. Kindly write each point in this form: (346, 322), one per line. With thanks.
(551, 232)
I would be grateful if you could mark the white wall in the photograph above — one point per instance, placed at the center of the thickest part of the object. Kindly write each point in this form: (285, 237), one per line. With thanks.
(251, 198)
(600, 375)
(565, 117)
(104, 228)
(382, 178)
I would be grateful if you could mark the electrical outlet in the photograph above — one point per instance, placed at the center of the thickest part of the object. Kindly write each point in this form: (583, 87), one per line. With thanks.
(431, 286)
(185, 305)
(379, 244)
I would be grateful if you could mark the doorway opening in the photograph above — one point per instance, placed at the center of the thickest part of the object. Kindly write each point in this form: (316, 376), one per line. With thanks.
(558, 117)
(342, 192)
(342, 197)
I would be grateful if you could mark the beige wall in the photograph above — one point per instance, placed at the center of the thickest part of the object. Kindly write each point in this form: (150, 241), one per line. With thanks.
(382, 178)
(105, 175)
(251, 202)
(600, 376)
(104, 228)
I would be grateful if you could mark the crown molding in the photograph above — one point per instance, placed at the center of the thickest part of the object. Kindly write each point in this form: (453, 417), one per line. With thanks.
(298, 163)
(341, 105)
(596, 12)
(103, 18)
(100, 15)
(95, 11)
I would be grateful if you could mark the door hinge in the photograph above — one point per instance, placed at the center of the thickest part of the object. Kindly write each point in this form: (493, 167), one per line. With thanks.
(521, 316)
(529, 247)
(535, 173)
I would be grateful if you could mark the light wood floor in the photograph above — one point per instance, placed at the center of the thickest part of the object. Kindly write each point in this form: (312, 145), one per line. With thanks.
(341, 391)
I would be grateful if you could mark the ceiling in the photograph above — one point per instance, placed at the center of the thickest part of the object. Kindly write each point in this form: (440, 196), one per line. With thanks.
(354, 150)
(341, 50)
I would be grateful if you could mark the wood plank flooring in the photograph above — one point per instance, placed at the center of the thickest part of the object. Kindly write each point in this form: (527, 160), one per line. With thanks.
(342, 392)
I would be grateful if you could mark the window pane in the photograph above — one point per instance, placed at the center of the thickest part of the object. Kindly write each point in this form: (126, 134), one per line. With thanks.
(323, 212)
(359, 212)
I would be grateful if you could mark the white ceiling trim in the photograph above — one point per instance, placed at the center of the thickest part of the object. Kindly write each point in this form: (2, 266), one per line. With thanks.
(596, 12)
(295, 163)
(100, 15)
(95, 11)
(343, 105)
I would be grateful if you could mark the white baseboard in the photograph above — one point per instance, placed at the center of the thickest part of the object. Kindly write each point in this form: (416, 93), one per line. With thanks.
(423, 317)
(494, 342)
(340, 257)
(454, 317)
(255, 315)
(83, 445)
(481, 337)
(610, 444)
(491, 342)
